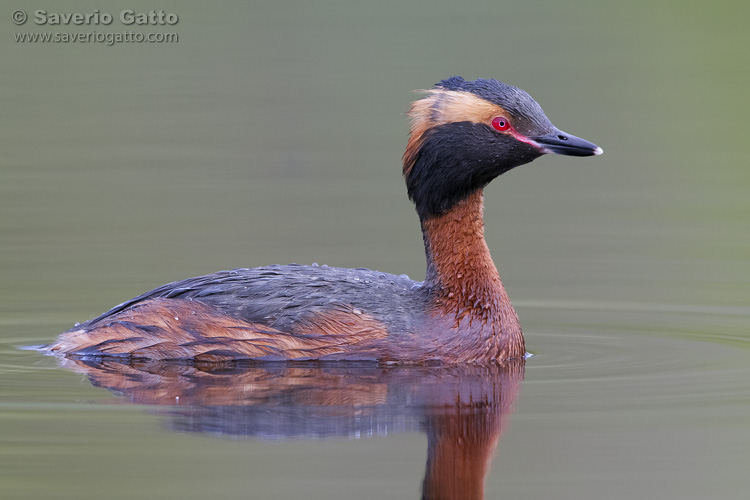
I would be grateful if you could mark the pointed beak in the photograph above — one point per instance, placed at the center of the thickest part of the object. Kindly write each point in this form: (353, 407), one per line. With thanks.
(558, 142)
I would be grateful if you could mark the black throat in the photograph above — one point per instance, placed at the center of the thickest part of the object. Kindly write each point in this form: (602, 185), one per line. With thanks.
(457, 159)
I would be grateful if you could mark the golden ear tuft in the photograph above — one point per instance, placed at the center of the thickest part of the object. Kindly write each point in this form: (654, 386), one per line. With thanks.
(440, 107)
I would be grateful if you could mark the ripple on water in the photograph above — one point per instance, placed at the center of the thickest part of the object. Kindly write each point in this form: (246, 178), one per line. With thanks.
(638, 356)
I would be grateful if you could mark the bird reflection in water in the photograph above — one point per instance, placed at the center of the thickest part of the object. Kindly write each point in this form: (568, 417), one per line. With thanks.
(460, 408)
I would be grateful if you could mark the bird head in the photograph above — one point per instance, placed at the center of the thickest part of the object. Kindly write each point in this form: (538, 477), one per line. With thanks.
(466, 133)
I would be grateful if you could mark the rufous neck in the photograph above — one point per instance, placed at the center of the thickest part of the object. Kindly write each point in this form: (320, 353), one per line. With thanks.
(459, 265)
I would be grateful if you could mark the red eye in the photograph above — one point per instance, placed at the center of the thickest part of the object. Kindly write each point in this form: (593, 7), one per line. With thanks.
(500, 124)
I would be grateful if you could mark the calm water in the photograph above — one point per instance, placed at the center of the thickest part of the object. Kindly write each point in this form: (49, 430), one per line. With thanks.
(272, 133)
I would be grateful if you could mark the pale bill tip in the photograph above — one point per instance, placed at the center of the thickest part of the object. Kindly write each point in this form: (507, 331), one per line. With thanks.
(598, 151)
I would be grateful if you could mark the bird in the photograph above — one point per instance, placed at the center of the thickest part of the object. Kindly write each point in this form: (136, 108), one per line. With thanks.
(464, 134)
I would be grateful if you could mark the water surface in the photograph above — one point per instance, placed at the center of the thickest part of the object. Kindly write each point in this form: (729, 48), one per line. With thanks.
(273, 133)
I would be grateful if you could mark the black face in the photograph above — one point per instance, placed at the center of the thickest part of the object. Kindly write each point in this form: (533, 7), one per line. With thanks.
(456, 159)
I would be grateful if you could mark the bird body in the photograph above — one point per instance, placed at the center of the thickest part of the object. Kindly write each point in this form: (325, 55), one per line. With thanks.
(464, 134)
